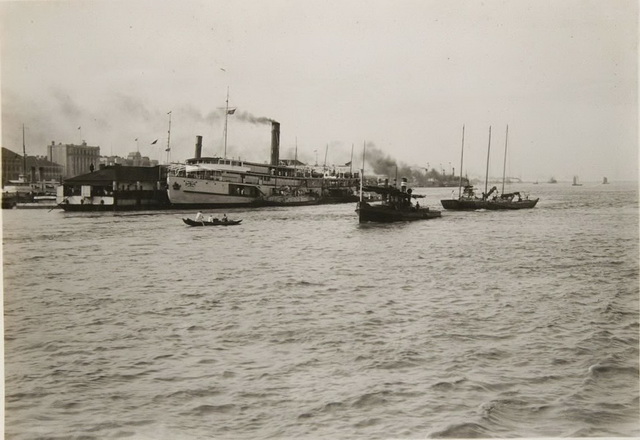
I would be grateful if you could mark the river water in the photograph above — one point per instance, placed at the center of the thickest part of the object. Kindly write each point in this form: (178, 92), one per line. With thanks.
(301, 323)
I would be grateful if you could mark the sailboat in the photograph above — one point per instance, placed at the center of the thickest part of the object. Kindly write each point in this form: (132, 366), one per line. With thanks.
(468, 201)
(605, 181)
(575, 181)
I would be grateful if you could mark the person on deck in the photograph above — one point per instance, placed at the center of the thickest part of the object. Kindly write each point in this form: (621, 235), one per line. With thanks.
(224, 218)
(199, 217)
(210, 219)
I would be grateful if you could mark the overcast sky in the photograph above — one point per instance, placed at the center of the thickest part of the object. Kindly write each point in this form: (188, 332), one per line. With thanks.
(402, 76)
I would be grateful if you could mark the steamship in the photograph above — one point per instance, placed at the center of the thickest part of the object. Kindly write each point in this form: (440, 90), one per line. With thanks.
(209, 182)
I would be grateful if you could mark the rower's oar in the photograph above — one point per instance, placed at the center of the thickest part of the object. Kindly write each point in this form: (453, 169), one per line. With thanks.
(57, 205)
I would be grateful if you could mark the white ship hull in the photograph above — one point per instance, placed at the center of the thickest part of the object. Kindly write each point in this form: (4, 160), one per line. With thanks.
(191, 192)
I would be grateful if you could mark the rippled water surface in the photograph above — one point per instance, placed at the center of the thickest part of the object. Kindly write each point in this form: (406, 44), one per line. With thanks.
(301, 323)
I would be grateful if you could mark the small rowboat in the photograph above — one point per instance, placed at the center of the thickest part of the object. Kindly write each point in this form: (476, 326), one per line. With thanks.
(216, 222)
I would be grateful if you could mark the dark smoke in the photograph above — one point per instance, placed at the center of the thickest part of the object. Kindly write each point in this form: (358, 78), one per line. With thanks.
(248, 117)
(384, 165)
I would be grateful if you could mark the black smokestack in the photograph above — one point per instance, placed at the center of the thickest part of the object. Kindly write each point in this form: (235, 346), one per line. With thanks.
(198, 147)
(275, 143)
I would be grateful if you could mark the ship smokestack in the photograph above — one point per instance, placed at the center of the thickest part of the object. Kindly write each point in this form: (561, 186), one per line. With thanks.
(275, 143)
(198, 147)
(403, 185)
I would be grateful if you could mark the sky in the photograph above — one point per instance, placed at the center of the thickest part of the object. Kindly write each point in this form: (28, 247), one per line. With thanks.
(397, 78)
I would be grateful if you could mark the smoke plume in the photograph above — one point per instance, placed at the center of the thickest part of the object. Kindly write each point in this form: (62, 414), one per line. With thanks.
(248, 117)
(383, 164)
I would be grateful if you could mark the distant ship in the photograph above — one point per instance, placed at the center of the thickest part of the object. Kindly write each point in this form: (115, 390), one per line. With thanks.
(605, 181)
(553, 180)
(209, 182)
(468, 201)
(575, 181)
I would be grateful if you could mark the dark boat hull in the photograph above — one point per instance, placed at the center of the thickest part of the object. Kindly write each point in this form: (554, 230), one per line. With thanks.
(494, 205)
(386, 214)
(190, 222)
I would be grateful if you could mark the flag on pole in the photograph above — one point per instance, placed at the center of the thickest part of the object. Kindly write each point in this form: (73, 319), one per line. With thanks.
(152, 143)
(231, 111)
(168, 149)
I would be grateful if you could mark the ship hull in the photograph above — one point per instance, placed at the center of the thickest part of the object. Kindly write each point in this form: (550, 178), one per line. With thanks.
(387, 214)
(191, 193)
(216, 222)
(463, 205)
(122, 201)
(494, 205)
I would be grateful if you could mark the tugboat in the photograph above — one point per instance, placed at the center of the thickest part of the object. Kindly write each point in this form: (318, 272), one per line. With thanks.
(395, 205)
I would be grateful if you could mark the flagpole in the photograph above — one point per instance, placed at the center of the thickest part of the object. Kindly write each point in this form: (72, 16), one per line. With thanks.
(169, 138)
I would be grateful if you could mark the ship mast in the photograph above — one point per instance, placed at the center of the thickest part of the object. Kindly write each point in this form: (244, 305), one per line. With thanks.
(295, 160)
(226, 117)
(364, 147)
(24, 157)
(351, 163)
(486, 179)
(168, 150)
(504, 165)
(461, 159)
(326, 150)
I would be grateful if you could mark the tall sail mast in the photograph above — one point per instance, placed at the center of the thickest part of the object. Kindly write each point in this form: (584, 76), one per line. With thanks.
(486, 178)
(461, 159)
(504, 165)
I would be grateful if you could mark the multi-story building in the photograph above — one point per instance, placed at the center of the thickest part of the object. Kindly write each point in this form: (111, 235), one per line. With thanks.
(134, 159)
(38, 168)
(75, 159)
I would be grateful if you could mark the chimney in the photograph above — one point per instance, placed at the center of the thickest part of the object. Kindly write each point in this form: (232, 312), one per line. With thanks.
(403, 185)
(198, 147)
(275, 143)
